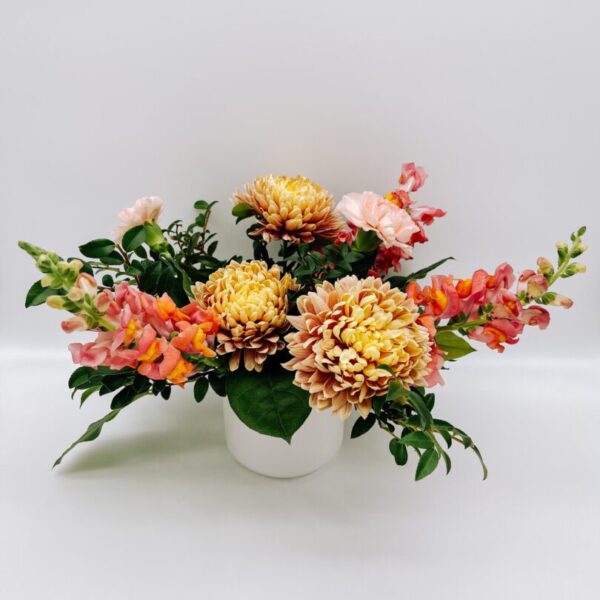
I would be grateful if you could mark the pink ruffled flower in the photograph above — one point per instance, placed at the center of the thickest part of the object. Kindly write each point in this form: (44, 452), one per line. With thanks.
(145, 210)
(371, 212)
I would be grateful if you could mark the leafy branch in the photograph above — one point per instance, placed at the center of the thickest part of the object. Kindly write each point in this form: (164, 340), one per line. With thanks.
(410, 411)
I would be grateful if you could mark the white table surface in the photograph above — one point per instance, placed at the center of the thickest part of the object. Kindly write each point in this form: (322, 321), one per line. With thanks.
(156, 508)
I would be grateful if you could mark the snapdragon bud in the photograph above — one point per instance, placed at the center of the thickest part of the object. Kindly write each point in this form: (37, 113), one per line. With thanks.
(75, 265)
(562, 249)
(574, 268)
(57, 302)
(33, 251)
(45, 263)
(545, 266)
(75, 294)
(48, 281)
(578, 249)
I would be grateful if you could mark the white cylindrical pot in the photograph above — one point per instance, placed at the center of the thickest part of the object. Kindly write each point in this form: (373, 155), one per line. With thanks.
(313, 445)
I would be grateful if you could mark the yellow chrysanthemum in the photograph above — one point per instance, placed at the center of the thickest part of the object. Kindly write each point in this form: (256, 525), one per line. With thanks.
(251, 303)
(294, 209)
(345, 332)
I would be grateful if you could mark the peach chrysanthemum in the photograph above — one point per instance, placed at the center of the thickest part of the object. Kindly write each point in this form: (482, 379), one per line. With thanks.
(294, 209)
(251, 303)
(345, 332)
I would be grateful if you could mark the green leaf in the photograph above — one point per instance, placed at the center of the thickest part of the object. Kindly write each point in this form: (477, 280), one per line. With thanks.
(427, 464)
(447, 461)
(80, 376)
(88, 393)
(200, 389)
(37, 294)
(123, 398)
(97, 248)
(92, 432)
(108, 281)
(417, 439)
(242, 211)
(453, 345)
(421, 409)
(396, 391)
(217, 384)
(201, 205)
(365, 241)
(268, 402)
(377, 404)
(401, 280)
(134, 237)
(112, 259)
(363, 425)
(483, 465)
(398, 451)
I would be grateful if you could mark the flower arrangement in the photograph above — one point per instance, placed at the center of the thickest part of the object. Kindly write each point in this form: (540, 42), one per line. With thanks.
(324, 316)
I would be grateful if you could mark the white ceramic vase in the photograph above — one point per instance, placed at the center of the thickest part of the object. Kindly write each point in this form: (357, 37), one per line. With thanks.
(313, 445)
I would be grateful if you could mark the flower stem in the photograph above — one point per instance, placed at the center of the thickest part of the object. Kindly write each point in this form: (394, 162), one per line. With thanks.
(464, 325)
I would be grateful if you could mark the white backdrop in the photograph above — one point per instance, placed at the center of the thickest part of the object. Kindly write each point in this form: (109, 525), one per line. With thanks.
(499, 101)
(101, 103)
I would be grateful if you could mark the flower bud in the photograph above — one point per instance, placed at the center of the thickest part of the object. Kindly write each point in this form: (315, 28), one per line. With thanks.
(44, 263)
(33, 251)
(75, 294)
(102, 301)
(155, 238)
(562, 249)
(76, 323)
(47, 281)
(573, 269)
(578, 249)
(545, 266)
(87, 284)
(560, 300)
(57, 302)
(75, 265)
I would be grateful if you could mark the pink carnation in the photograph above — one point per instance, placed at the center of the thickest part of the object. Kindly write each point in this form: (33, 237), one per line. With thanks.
(371, 212)
(145, 210)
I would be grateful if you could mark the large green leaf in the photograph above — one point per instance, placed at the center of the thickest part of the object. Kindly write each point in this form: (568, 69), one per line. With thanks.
(37, 294)
(133, 238)
(268, 402)
(453, 345)
(92, 432)
(97, 248)
(427, 464)
(361, 426)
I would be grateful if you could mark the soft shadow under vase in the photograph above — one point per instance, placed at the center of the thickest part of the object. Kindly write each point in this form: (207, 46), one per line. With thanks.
(313, 445)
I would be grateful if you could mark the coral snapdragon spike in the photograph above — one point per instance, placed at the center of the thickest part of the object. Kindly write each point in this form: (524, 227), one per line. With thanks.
(151, 335)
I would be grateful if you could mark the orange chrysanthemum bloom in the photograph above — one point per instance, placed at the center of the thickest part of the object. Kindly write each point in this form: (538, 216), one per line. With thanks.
(294, 209)
(251, 304)
(345, 332)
